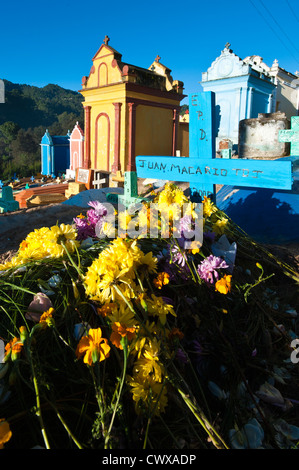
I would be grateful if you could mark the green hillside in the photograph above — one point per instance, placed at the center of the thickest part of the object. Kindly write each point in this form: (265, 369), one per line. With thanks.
(27, 112)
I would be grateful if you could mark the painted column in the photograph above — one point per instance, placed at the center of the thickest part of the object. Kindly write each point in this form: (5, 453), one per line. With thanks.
(116, 164)
(174, 132)
(87, 162)
(131, 166)
(249, 103)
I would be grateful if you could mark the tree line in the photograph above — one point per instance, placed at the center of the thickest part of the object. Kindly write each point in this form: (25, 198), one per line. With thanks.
(24, 117)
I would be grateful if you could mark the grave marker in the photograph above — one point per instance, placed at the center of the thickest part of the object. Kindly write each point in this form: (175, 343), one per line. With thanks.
(7, 202)
(291, 135)
(232, 172)
(130, 195)
(205, 171)
(202, 137)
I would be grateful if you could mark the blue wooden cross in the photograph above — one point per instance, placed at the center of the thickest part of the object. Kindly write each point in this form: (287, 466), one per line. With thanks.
(1, 184)
(202, 171)
(291, 135)
(202, 138)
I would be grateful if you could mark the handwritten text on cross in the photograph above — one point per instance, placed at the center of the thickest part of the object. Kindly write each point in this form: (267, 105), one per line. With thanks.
(262, 174)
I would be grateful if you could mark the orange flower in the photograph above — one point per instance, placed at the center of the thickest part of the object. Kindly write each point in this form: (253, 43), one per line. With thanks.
(224, 284)
(106, 309)
(14, 348)
(93, 347)
(47, 317)
(120, 331)
(5, 432)
(161, 280)
(176, 333)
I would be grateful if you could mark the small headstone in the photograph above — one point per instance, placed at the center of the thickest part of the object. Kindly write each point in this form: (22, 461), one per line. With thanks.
(7, 202)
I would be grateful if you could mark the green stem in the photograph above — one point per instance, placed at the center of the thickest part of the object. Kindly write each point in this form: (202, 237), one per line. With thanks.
(125, 349)
(38, 407)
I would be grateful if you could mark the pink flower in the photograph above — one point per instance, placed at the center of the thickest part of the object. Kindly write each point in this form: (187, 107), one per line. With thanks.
(207, 269)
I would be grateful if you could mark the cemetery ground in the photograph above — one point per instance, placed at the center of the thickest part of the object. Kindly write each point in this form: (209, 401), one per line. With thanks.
(118, 345)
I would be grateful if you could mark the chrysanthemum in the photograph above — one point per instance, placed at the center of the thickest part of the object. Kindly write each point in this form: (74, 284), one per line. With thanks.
(208, 268)
(157, 307)
(93, 347)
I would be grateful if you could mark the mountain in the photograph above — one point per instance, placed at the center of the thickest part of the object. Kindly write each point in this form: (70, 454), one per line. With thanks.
(31, 106)
(24, 117)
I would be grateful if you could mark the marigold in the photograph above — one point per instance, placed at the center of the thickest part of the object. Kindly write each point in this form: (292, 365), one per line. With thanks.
(5, 432)
(161, 280)
(224, 284)
(93, 347)
(119, 331)
(47, 317)
(13, 348)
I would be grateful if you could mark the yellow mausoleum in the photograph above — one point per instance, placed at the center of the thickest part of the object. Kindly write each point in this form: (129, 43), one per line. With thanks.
(129, 111)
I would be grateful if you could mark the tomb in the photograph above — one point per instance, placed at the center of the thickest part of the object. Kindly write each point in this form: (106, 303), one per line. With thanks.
(242, 90)
(22, 196)
(76, 151)
(128, 110)
(55, 154)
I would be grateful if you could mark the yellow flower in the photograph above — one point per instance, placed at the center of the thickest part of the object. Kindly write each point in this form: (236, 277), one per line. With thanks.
(114, 271)
(124, 219)
(148, 393)
(93, 347)
(161, 280)
(219, 226)
(224, 284)
(208, 207)
(5, 432)
(148, 363)
(157, 307)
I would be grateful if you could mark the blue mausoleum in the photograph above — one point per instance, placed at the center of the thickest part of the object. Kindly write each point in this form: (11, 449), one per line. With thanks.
(242, 90)
(55, 154)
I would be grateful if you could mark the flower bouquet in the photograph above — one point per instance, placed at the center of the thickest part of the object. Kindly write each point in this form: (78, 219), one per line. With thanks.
(116, 342)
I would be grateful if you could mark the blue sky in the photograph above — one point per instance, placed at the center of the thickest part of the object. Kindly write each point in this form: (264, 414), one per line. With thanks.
(54, 42)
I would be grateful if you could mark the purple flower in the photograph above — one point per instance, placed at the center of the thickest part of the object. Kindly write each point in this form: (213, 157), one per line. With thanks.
(178, 255)
(209, 236)
(93, 217)
(207, 269)
(98, 207)
(84, 229)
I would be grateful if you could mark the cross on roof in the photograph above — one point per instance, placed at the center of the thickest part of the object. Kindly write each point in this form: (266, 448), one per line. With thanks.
(157, 58)
(106, 40)
(227, 45)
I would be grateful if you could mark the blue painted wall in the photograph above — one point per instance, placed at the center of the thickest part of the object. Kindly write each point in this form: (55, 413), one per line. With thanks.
(240, 93)
(55, 154)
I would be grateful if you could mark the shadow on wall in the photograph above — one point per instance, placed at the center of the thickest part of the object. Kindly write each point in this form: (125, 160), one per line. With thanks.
(267, 215)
